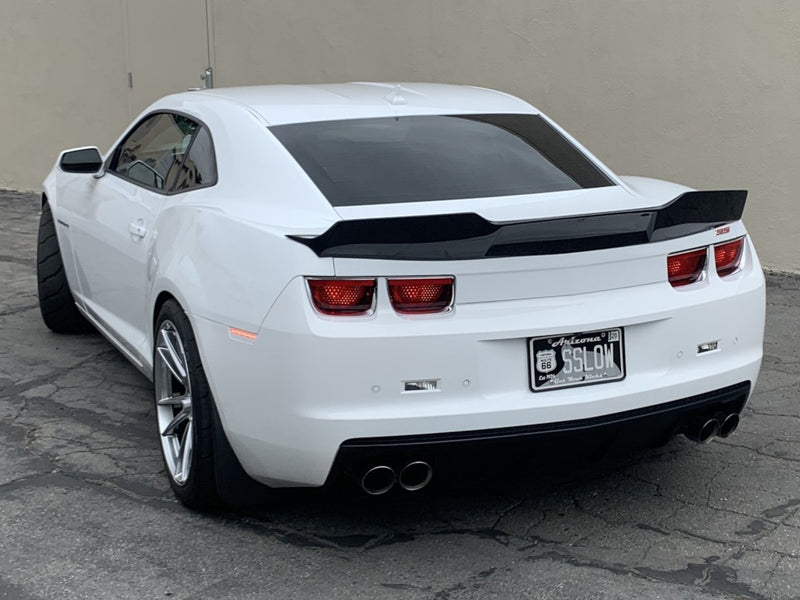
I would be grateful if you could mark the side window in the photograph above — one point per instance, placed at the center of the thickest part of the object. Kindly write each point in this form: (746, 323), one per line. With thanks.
(199, 167)
(153, 153)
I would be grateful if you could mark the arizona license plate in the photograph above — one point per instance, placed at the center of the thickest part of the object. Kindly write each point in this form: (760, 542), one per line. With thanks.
(559, 361)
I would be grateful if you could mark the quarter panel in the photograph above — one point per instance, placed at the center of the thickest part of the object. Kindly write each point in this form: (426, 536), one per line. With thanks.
(223, 269)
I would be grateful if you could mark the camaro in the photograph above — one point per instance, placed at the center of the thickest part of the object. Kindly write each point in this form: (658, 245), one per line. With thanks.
(366, 278)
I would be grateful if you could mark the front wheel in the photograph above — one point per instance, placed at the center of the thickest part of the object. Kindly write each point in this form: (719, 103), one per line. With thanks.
(55, 298)
(184, 408)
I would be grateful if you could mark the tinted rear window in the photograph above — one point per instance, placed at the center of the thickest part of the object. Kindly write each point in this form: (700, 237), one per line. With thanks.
(424, 158)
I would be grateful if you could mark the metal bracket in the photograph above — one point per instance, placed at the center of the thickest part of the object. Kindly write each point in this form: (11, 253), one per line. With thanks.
(208, 77)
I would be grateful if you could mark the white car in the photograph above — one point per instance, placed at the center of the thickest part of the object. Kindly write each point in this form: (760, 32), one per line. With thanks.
(363, 278)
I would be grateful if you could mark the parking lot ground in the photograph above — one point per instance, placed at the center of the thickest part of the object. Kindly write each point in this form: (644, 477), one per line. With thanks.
(86, 511)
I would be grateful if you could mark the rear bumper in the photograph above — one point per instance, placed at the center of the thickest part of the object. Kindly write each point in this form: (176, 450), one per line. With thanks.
(554, 441)
(310, 387)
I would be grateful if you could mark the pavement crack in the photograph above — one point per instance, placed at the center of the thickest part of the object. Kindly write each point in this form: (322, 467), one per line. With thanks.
(406, 586)
(474, 581)
(646, 527)
(503, 513)
(17, 309)
(703, 538)
(16, 389)
(721, 579)
(18, 482)
(710, 576)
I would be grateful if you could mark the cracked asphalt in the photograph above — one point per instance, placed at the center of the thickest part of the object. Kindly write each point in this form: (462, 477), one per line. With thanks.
(86, 511)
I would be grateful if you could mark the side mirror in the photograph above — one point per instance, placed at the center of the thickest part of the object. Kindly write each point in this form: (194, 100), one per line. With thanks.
(81, 160)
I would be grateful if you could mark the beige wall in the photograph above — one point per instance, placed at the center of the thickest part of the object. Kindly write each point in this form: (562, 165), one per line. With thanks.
(705, 93)
(62, 82)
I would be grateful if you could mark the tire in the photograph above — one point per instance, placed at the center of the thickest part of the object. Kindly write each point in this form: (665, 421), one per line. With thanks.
(184, 410)
(55, 298)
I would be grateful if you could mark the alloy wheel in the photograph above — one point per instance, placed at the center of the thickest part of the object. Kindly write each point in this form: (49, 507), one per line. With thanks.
(174, 402)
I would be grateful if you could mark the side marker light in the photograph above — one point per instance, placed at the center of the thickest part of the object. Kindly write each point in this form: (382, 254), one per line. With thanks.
(235, 332)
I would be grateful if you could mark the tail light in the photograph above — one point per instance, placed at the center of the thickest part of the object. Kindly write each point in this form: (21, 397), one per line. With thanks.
(421, 295)
(686, 267)
(728, 256)
(342, 296)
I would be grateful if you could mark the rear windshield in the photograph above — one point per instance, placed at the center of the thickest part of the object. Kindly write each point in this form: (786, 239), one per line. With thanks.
(425, 158)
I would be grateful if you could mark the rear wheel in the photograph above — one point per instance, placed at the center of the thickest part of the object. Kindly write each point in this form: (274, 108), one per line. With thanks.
(55, 298)
(183, 409)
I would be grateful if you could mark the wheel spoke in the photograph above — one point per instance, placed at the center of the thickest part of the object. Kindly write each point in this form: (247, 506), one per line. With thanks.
(180, 418)
(185, 455)
(172, 358)
(174, 446)
(180, 400)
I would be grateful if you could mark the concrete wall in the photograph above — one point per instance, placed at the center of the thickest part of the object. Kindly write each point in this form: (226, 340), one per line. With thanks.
(704, 93)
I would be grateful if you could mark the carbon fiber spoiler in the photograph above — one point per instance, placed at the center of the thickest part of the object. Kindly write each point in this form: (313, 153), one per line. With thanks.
(465, 236)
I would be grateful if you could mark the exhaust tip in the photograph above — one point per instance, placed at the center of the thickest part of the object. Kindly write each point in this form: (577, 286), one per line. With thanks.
(378, 480)
(708, 431)
(728, 425)
(702, 432)
(415, 476)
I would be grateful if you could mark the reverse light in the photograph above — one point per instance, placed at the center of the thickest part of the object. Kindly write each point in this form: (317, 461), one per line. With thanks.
(728, 256)
(708, 347)
(421, 295)
(686, 267)
(421, 385)
(342, 297)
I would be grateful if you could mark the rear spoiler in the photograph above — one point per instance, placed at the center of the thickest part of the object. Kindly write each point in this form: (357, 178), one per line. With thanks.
(465, 236)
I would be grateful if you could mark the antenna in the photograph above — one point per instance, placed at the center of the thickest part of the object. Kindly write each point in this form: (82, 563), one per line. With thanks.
(395, 97)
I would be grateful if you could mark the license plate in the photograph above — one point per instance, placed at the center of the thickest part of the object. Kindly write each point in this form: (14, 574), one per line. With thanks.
(586, 358)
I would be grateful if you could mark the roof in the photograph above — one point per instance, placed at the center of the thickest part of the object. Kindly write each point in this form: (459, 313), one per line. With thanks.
(280, 104)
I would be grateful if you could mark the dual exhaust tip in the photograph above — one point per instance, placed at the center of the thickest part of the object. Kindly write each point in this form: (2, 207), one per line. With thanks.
(704, 430)
(417, 474)
(382, 478)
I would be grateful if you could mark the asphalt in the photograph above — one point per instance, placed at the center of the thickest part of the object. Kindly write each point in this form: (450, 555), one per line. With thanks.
(86, 512)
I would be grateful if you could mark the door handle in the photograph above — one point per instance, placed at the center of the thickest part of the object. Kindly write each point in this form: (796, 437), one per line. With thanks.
(137, 229)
